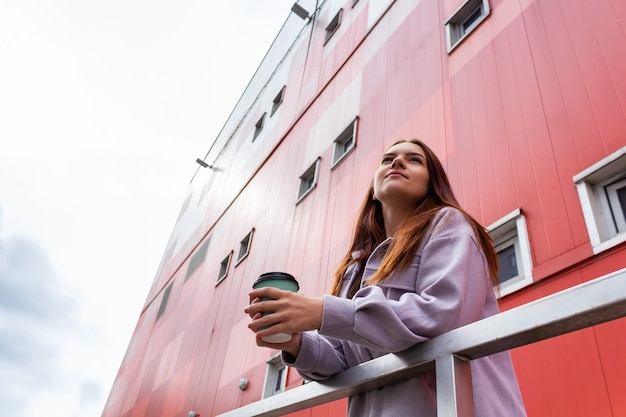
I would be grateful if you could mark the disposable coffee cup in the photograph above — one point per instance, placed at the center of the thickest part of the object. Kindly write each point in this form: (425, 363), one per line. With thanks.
(283, 281)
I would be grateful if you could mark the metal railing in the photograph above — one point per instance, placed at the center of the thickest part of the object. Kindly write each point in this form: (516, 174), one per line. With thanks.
(449, 355)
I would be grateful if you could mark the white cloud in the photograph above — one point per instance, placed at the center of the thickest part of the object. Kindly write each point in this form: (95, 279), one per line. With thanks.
(36, 317)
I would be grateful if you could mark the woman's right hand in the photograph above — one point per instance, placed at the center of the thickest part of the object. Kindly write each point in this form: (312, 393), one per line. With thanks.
(292, 346)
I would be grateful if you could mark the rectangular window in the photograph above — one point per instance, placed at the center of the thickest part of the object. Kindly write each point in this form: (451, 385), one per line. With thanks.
(244, 247)
(344, 143)
(602, 194)
(275, 377)
(166, 296)
(510, 240)
(278, 100)
(308, 180)
(465, 20)
(616, 196)
(508, 254)
(333, 26)
(224, 266)
(259, 126)
(197, 259)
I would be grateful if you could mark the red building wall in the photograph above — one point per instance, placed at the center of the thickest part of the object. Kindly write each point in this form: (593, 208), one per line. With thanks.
(532, 97)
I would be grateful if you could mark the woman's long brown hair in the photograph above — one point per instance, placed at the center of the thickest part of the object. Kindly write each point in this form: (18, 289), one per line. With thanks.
(369, 230)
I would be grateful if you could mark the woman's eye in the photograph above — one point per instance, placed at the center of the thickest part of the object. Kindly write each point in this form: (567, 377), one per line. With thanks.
(386, 159)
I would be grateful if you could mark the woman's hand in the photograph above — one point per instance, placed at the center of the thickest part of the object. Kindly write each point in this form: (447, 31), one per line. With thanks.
(291, 313)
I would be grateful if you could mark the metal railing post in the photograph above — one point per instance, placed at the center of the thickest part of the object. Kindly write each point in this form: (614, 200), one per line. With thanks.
(455, 396)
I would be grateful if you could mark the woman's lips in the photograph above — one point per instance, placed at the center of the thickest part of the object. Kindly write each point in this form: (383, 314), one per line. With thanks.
(395, 173)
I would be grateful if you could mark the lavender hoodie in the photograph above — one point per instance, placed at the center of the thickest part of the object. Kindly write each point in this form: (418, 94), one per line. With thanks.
(445, 287)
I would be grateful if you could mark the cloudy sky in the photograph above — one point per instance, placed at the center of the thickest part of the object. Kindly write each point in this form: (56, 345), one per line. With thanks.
(104, 107)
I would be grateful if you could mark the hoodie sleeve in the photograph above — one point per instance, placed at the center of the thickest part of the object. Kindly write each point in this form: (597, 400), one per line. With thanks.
(450, 288)
(319, 357)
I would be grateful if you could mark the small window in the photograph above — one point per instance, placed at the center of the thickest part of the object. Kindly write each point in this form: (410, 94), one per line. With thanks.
(275, 377)
(333, 26)
(166, 296)
(510, 239)
(277, 100)
(465, 20)
(602, 193)
(344, 143)
(244, 247)
(224, 265)
(259, 126)
(197, 259)
(308, 180)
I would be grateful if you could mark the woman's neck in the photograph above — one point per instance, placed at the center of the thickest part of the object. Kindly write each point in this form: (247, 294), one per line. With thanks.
(393, 219)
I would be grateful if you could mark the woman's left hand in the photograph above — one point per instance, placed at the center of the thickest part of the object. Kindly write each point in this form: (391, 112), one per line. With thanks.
(291, 312)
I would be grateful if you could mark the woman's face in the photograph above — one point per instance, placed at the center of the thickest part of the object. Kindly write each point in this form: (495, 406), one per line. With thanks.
(402, 176)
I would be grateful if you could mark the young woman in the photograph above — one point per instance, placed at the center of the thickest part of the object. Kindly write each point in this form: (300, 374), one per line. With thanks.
(418, 266)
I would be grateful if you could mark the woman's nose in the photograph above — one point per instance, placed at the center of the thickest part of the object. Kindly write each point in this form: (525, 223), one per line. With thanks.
(397, 161)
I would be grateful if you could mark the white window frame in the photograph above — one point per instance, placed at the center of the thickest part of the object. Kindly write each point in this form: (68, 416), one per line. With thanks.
(244, 247)
(455, 31)
(348, 135)
(333, 25)
(594, 186)
(512, 229)
(275, 369)
(224, 267)
(308, 180)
